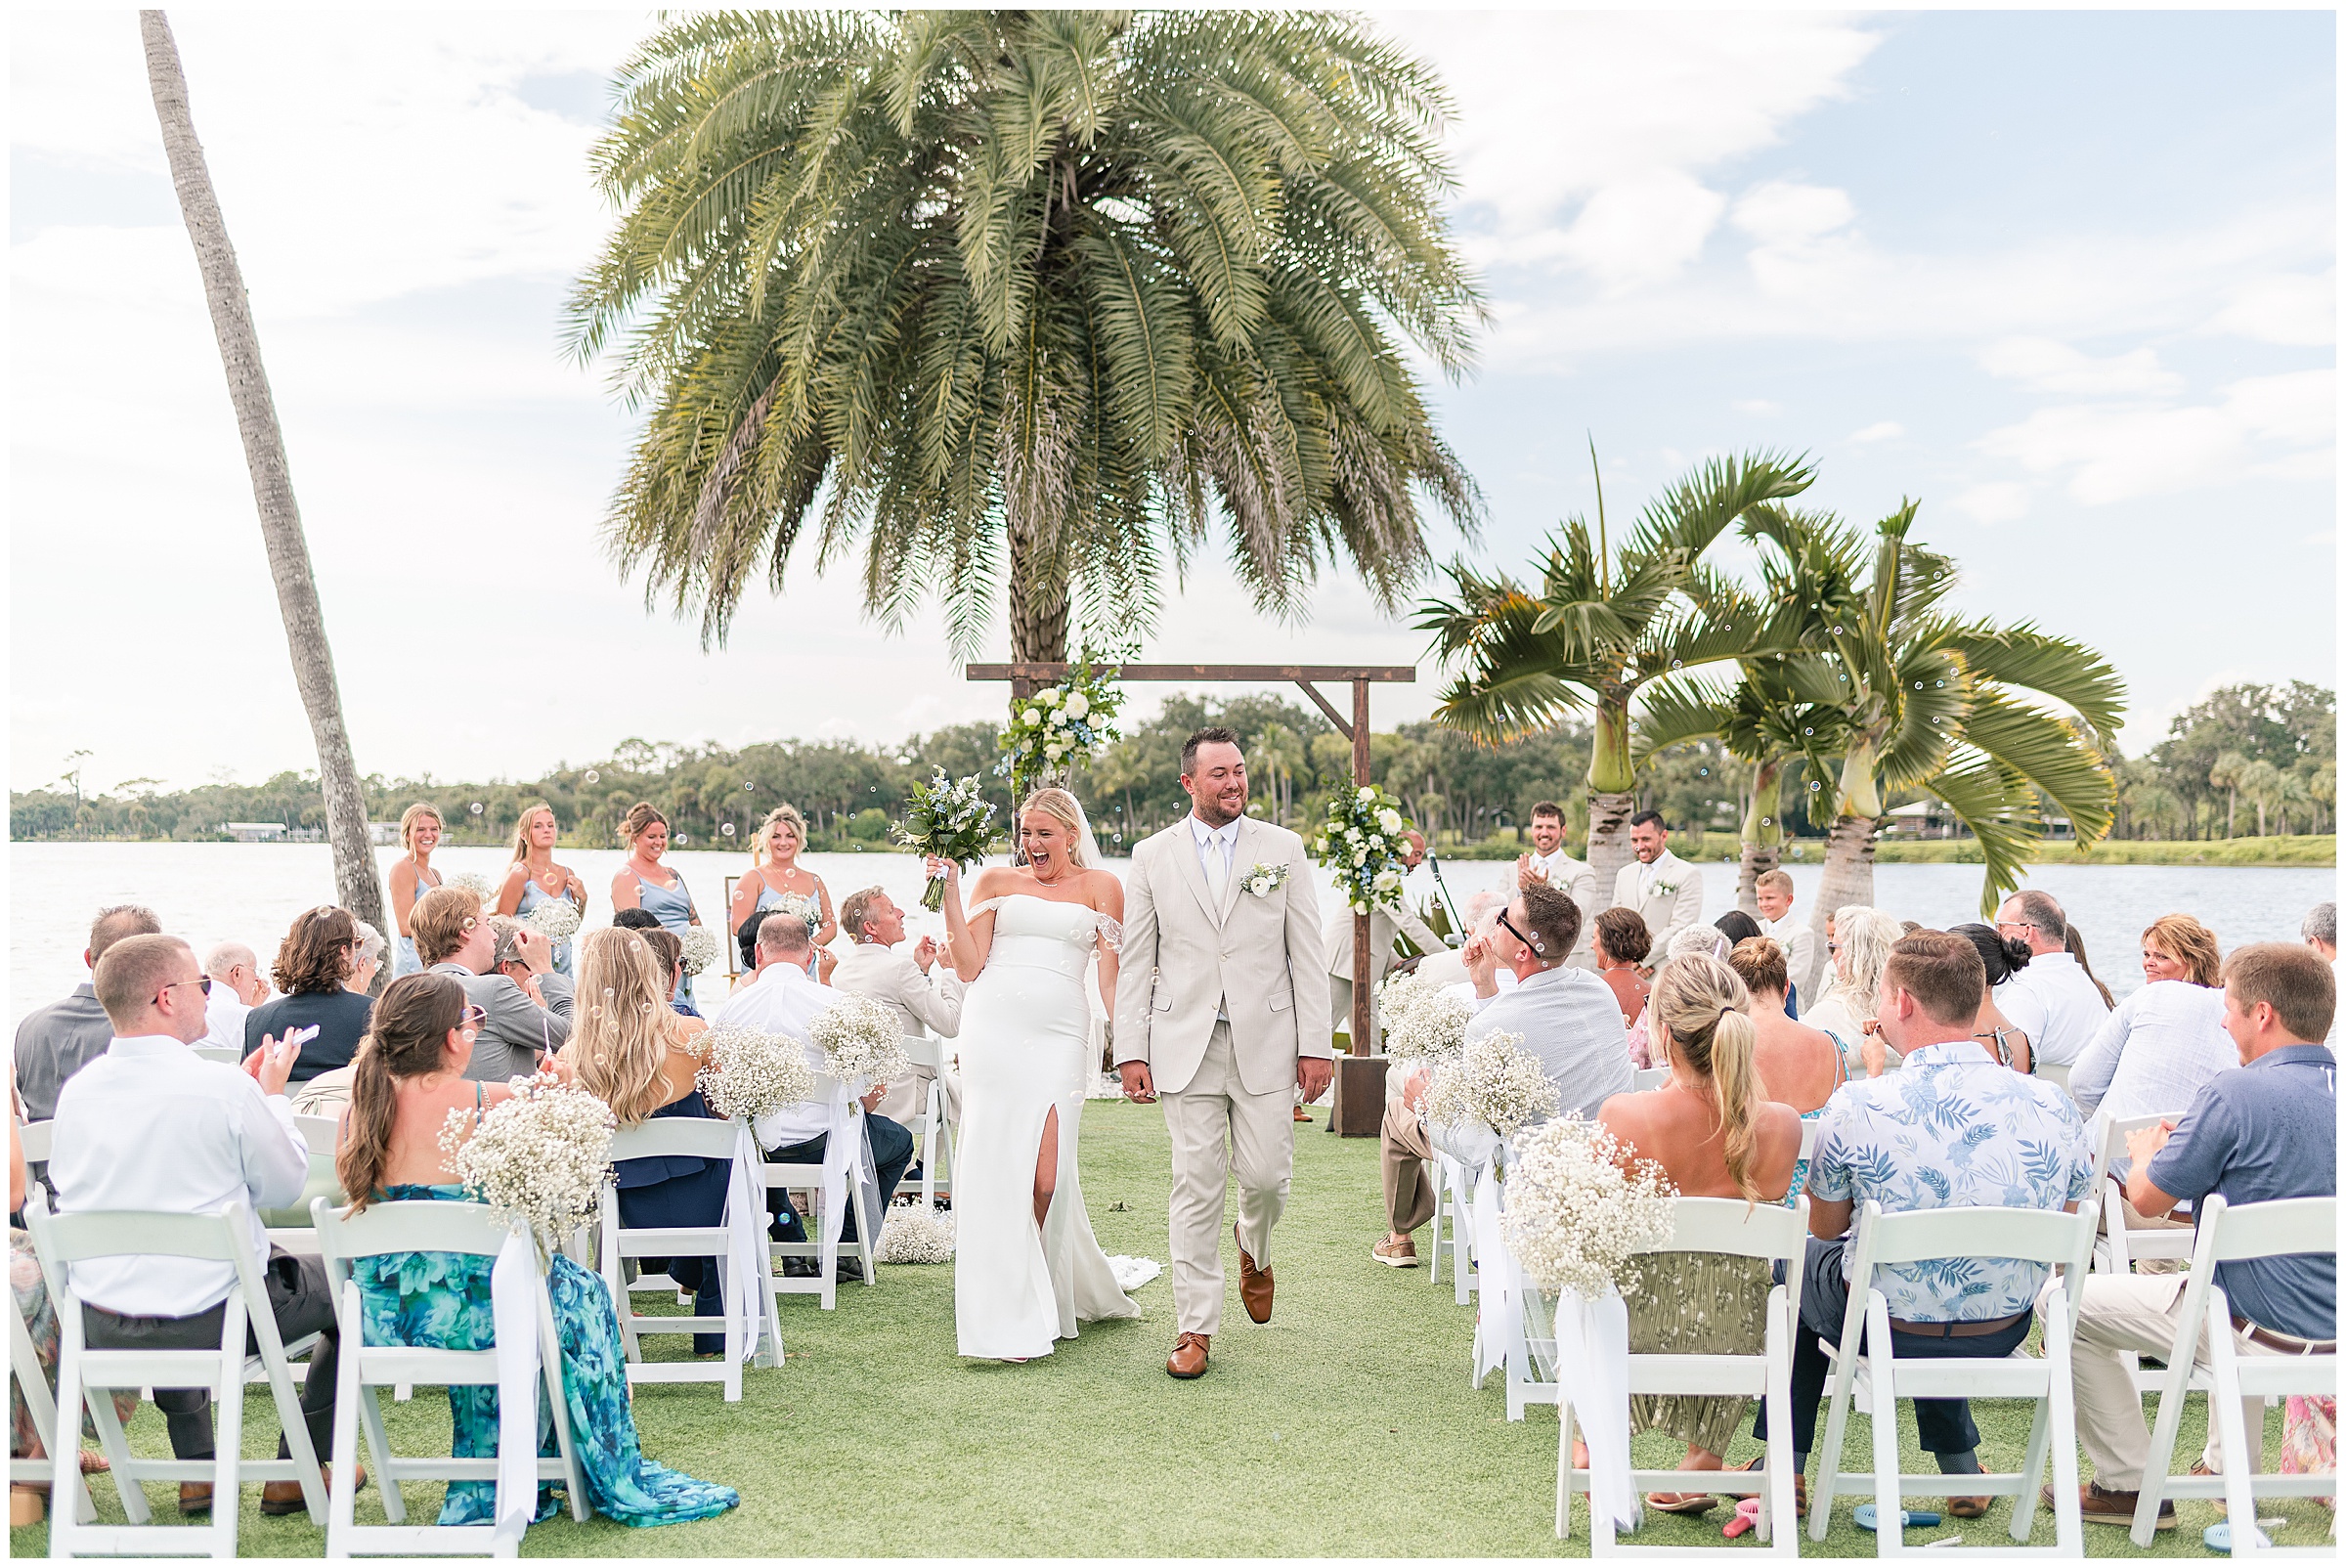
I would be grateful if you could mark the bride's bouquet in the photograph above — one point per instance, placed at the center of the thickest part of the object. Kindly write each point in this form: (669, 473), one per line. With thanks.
(860, 1040)
(1061, 726)
(1422, 1023)
(539, 1159)
(1578, 1211)
(704, 948)
(948, 820)
(554, 919)
(1362, 843)
(1492, 1081)
(747, 1073)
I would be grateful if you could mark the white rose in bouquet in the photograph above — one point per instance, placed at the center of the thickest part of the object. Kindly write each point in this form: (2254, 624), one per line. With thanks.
(1078, 706)
(1033, 718)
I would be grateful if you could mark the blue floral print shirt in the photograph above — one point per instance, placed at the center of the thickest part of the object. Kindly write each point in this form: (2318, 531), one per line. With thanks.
(1952, 1128)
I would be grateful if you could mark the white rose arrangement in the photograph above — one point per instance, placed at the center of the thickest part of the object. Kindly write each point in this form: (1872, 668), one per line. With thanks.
(704, 948)
(1361, 841)
(1264, 879)
(747, 1073)
(1492, 1081)
(1579, 1209)
(860, 1040)
(1062, 726)
(555, 919)
(538, 1158)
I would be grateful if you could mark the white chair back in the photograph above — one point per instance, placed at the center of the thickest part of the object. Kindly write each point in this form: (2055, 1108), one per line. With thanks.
(1642, 1079)
(2229, 1234)
(35, 1139)
(227, 1054)
(87, 1378)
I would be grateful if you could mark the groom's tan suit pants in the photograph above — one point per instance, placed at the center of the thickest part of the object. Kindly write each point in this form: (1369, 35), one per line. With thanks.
(1216, 1125)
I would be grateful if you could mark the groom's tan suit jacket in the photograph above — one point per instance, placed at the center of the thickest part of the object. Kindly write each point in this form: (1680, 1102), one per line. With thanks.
(1256, 958)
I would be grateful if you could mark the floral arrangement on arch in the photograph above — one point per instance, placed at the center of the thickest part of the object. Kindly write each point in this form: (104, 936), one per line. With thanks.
(539, 1159)
(1362, 843)
(1579, 1212)
(952, 821)
(1061, 726)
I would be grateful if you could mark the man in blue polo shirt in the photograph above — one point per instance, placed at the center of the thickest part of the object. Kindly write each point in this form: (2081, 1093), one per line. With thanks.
(2267, 1129)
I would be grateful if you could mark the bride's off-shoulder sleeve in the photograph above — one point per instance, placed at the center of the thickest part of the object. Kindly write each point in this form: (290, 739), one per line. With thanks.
(1111, 932)
(986, 907)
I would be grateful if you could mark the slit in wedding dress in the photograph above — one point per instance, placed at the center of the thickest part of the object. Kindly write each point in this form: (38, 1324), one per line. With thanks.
(1046, 1166)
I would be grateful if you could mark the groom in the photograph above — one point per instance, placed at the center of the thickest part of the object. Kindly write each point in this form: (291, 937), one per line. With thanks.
(1222, 1009)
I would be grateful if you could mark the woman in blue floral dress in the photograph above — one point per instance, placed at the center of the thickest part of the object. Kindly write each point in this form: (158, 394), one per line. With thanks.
(409, 1075)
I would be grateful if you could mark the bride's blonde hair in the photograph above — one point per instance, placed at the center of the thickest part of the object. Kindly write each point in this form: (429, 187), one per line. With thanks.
(1060, 806)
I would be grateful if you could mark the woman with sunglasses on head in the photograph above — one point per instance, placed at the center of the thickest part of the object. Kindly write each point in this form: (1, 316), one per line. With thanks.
(314, 968)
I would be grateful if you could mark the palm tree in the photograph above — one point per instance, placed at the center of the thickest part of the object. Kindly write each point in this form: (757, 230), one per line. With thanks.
(1024, 300)
(1600, 626)
(2229, 769)
(355, 881)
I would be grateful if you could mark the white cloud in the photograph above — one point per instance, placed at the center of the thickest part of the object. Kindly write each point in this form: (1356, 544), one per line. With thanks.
(2294, 308)
(2114, 453)
(1787, 216)
(1992, 504)
(1881, 430)
(2044, 366)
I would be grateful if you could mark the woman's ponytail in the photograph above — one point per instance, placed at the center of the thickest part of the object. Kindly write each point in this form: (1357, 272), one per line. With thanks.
(1702, 1004)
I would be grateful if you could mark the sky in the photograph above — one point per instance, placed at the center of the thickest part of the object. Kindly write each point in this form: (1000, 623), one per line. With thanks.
(2067, 278)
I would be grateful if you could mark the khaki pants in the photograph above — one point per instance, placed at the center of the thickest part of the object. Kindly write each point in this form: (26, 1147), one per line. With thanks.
(2125, 1312)
(1216, 1125)
(1409, 1183)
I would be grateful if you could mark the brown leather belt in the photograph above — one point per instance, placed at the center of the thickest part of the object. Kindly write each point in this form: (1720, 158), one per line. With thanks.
(1954, 1330)
(2286, 1344)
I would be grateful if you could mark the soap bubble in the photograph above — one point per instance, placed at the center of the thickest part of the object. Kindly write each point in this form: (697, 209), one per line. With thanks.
(476, 808)
(681, 838)
(594, 777)
(747, 784)
(726, 830)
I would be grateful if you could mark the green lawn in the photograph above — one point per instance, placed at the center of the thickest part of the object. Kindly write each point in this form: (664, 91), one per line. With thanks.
(1343, 1427)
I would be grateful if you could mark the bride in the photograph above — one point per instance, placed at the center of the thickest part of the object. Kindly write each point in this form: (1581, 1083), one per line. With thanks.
(1027, 1268)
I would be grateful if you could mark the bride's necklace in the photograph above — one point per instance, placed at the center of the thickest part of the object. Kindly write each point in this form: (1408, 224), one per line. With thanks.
(1042, 880)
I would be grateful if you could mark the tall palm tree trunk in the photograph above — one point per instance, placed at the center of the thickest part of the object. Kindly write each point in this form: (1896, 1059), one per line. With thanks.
(1848, 880)
(1763, 835)
(356, 885)
(1612, 794)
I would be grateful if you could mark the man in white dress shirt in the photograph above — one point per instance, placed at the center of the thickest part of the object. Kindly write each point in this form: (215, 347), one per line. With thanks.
(1664, 890)
(2053, 1001)
(151, 1125)
(2321, 934)
(926, 998)
(1387, 922)
(1773, 891)
(237, 988)
(784, 999)
(1552, 864)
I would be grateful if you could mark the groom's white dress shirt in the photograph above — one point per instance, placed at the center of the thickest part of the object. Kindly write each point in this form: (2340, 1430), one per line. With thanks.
(151, 1125)
(783, 1000)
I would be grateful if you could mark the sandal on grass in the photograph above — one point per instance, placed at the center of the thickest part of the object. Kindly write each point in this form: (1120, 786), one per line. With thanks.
(1685, 1503)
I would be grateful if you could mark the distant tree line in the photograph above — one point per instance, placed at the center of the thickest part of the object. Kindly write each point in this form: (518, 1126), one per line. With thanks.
(2248, 759)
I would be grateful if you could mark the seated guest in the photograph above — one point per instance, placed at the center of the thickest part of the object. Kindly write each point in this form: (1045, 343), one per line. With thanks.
(1772, 893)
(410, 1075)
(1857, 948)
(1736, 926)
(57, 1041)
(2319, 930)
(1620, 947)
(1448, 966)
(366, 961)
(2002, 957)
(152, 1126)
(2055, 1000)
(1567, 1017)
(1716, 1133)
(526, 1017)
(926, 999)
(1799, 1066)
(1388, 922)
(237, 988)
(784, 999)
(667, 952)
(2263, 1130)
(2166, 1042)
(1953, 1129)
(313, 967)
(629, 1053)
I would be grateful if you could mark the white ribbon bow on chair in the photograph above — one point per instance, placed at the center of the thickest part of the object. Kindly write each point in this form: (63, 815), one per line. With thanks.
(513, 1287)
(745, 1244)
(1592, 1366)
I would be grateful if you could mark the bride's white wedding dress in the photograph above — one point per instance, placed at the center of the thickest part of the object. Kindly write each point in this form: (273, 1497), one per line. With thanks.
(1025, 1046)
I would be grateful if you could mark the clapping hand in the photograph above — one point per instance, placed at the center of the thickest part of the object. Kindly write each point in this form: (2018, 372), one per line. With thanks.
(923, 952)
(1529, 871)
(1482, 962)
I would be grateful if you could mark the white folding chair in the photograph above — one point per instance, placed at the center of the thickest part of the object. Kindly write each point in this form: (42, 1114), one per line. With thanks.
(678, 1136)
(2031, 1235)
(1643, 1078)
(1730, 1226)
(932, 1126)
(35, 1139)
(2229, 1234)
(808, 1178)
(473, 1230)
(2117, 1251)
(87, 1378)
(24, 1365)
(1453, 1214)
(290, 1227)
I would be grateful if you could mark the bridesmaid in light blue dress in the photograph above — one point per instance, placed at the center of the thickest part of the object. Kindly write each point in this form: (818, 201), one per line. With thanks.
(534, 878)
(776, 881)
(411, 877)
(644, 883)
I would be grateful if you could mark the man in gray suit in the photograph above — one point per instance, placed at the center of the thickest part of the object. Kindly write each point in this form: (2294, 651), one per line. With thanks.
(58, 1040)
(510, 979)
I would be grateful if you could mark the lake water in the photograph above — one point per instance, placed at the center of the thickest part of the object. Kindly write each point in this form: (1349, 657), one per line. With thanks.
(208, 892)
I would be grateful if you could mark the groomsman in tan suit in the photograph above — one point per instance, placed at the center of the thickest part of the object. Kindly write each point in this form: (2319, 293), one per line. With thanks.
(1222, 1011)
(1662, 888)
(1553, 865)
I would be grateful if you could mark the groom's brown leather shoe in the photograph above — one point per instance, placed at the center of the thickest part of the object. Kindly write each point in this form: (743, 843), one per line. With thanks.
(1188, 1357)
(1254, 1284)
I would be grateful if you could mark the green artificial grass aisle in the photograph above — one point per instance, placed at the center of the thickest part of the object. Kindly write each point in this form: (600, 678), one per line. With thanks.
(1345, 1426)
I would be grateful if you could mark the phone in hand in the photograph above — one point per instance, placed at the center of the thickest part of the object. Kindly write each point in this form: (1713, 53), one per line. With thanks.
(300, 1037)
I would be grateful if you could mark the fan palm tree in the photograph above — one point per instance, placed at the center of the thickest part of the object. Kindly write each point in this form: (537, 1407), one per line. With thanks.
(356, 885)
(1024, 301)
(1599, 627)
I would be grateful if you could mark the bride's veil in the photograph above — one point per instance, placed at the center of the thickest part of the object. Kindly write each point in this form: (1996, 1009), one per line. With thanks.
(1087, 848)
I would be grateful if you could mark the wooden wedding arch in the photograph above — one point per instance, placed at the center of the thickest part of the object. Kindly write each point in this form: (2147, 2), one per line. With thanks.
(1360, 1078)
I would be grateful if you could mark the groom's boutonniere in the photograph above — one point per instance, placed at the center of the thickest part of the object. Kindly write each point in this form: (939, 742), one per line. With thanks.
(1264, 880)
(1665, 888)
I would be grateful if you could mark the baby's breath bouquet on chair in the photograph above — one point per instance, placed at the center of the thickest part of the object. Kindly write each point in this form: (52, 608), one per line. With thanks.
(746, 1073)
(1494, 1083)
(860, 1040)
(539, 1159)
(1422, 1025)
(949, 820)
(1578, 1213)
